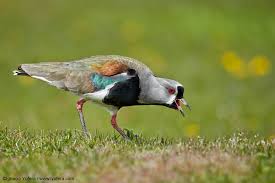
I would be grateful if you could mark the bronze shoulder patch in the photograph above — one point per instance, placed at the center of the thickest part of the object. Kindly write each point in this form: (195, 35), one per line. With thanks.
(110, 68)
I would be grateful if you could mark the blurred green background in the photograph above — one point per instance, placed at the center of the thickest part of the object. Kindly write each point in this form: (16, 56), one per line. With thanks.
(222, 51)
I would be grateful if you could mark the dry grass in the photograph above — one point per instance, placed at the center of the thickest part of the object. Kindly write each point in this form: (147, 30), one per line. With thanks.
(174, 164)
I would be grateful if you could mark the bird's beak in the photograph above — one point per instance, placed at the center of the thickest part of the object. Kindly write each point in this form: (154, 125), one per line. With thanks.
(183, 101)
(178, 103)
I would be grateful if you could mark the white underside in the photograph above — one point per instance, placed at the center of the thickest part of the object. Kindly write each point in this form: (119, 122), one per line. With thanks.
(98, 97)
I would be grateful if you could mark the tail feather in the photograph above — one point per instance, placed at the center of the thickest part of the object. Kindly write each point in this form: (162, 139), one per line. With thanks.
(20, 72)
(48, 72)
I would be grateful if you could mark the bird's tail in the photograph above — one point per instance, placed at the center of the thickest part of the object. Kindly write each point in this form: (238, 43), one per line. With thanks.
(39, 71)
(20, 72)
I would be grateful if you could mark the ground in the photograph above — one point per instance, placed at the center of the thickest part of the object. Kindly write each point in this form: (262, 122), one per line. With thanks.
(56, 154)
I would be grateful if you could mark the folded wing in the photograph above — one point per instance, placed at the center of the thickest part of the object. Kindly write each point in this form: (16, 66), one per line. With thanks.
(83, 76)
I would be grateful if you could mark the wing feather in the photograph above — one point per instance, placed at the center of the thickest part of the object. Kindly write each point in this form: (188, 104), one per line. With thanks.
(75, 76)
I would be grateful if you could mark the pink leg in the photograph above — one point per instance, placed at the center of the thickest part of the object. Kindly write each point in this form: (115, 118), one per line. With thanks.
(116, 127)
(79, 106)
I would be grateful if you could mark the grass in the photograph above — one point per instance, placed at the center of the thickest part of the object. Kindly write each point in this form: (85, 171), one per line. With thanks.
(241, 157)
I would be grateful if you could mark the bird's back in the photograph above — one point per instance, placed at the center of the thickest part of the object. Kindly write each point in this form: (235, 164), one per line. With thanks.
(75, 76)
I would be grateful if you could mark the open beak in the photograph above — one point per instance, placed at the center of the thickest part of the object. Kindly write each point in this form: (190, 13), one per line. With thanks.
(183, 101)
(178, 103)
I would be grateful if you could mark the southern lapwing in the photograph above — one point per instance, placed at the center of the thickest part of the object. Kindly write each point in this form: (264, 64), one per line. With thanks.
(111, 81)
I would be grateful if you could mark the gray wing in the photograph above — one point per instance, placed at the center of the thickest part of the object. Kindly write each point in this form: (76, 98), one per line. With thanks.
(67, 76)
(75, 76)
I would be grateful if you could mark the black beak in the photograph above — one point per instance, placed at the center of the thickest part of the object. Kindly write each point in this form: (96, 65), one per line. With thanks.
(177, 105)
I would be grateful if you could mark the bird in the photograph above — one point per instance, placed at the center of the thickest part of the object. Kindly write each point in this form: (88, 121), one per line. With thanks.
(112, 81)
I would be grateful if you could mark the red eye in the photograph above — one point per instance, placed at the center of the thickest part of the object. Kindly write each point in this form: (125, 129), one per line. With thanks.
(171, 91)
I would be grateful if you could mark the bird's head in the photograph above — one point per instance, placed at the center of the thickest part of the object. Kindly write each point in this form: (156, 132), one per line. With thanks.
(173, 94)
(162, 91)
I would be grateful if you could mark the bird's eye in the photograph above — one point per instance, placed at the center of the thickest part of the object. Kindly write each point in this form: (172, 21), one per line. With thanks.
(171, 91)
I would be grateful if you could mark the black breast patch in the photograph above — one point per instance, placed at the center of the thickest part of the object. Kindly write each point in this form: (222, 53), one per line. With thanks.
(124, 93)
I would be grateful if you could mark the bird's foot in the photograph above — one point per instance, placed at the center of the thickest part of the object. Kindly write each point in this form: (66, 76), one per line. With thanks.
(130, 134)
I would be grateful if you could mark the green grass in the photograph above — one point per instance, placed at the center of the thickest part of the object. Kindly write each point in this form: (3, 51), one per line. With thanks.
(241, 157)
